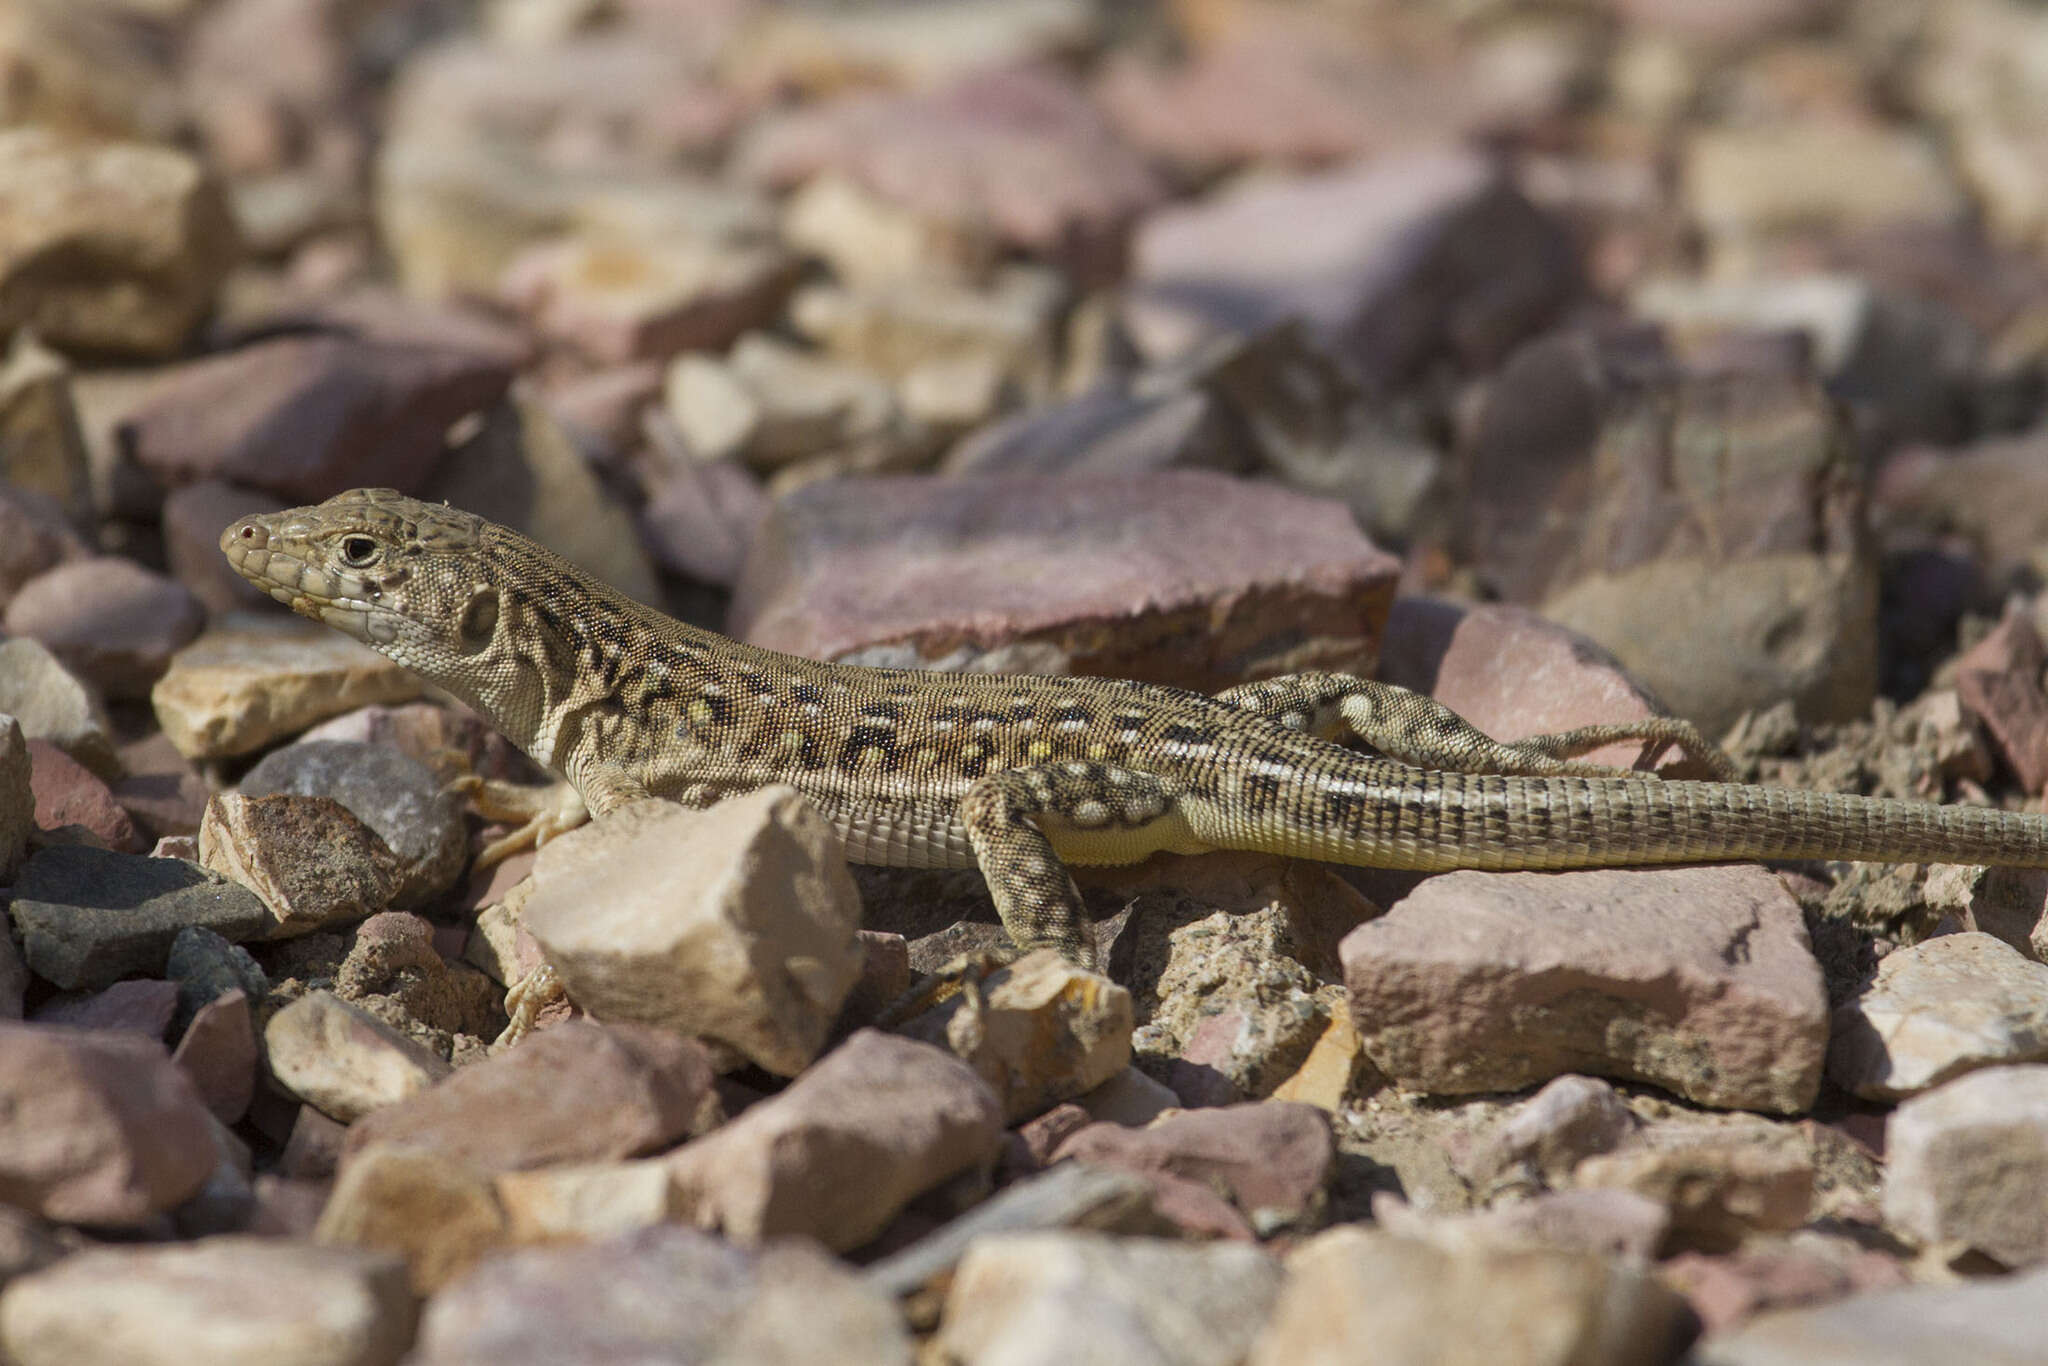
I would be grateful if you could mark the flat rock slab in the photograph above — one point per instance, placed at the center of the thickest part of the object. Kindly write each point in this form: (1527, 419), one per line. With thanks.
(1700, 980)
(1937, 1010)
(1183, 577)
(88, 917)
(252, 679)
(1968, 1163)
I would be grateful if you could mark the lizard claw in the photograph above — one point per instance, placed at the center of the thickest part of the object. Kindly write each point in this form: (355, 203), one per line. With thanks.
(529, 996)
(543, 813)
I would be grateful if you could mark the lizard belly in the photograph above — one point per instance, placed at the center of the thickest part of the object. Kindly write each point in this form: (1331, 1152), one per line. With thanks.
(901, 833)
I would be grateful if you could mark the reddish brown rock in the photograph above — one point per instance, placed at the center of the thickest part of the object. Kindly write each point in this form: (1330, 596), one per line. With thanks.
(97, 1127)
(1729, 1289)
(68, 794)
(218, 1053)
(700, 518)
(161, 790)
(1070, 188)
(579, 1092)
(1397, 264)
(1239, 1171)
(876, 1122)
(310, 859)
(1999, 681)
(1700, 980)
(141, 1006)
(304, 417)
(111, 621)
(1171, 578)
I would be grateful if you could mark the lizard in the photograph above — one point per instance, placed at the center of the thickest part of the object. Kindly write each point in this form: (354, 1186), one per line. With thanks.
(1024, 775)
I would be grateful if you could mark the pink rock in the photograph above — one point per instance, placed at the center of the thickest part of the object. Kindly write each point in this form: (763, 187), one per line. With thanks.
(97, 1127)
(35, 536)
(1700, 980)
(876, 1122)
(1397, 264)
(304, 417)
(579, 1092)
(1017, 154)
(1999, 680)
(219, 1053)
(1271, 1160)
(1728, 1289)
(67, 793)
(111, 621)
(700, 518)
(622, 301)
(1510, 672)
(1172, 577)
(142, 1006)
(162, 792)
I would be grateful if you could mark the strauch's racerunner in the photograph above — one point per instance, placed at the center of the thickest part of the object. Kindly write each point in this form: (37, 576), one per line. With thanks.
(1023, 775)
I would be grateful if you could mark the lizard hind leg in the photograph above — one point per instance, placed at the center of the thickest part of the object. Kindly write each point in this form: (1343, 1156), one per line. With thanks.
(1420, 731)
(1018, 820)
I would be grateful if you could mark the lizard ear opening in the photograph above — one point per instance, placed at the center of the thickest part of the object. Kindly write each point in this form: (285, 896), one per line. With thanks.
(479, 619)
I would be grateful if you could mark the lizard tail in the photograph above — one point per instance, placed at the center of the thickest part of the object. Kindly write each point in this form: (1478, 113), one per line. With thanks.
(1434, 821)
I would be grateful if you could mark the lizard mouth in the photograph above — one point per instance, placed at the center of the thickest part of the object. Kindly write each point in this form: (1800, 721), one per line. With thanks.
(259, 553)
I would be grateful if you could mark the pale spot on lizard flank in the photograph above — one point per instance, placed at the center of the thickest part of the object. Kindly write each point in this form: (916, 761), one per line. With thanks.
(1091, 813)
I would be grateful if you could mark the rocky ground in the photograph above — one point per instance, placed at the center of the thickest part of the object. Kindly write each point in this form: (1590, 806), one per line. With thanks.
(1569, 361)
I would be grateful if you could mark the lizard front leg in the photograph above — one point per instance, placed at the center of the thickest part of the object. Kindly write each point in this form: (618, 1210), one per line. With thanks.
(1018, 820)
(1420, 731)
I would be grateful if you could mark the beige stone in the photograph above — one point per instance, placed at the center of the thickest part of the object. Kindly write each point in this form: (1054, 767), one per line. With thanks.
(1937, 1010)
(438, 1213)
(1968, 1163)
(250, 680)
(736, 923)
(344, 1061)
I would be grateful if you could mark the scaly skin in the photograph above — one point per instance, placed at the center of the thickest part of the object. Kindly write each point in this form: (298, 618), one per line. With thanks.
(1023, 774)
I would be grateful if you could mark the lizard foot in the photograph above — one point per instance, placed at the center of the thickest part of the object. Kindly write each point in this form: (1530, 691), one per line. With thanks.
(542, 813)
(529, 996)
(963, 974)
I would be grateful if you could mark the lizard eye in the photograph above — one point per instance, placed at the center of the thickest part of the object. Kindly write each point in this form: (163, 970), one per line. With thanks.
(358, 552)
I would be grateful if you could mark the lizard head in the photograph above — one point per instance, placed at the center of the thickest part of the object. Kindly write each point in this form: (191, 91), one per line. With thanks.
(396, 573)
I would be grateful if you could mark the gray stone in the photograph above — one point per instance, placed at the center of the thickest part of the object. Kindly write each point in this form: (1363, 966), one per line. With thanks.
(51, 703)
(392, 793)
(88, 916)
(205, 966)
(17, 798)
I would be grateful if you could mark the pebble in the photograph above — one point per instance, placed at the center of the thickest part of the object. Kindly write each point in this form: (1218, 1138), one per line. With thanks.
(401, 799)
(1038, 1031)
(112, 622)
(309, 859)
(68, 794)
(97, 1127)
(1719, 1185)
(218, 1052)
(664, 1293)
(1365, 1298)
(1570, 1119)
(1074, 1295)
(343, 1061)
(736, 923)
(87, 917)
(836, 1155)
(1937, 1010)
(436, 1212)
(156, 1306)
(577, 1093)
(1967, 1162)
(1698, 980)
(51, 703)
(47, 491)
(251, 680)
(153, 223)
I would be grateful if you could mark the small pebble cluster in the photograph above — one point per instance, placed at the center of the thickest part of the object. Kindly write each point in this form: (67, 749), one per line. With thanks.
(1567, 361)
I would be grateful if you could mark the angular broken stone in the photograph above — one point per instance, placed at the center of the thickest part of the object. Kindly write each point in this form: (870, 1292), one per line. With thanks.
(51, 703)
(576, 1093)
(1069, 1294)
(1169, 578)
(736, 922)
(310, 860)
(1698, 980)
(250, 680)
(43, 464)
(406, 803)
(1038, 1031)
(875, 1123)
(233, 1301)
(343, 1060)
(1372, 1298)
(147, 230)
(1968, 1162)
(67, 793)
(88, 917)
(218, 1052)
(1936, 1010)
(112, 622)
(97, 1127)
